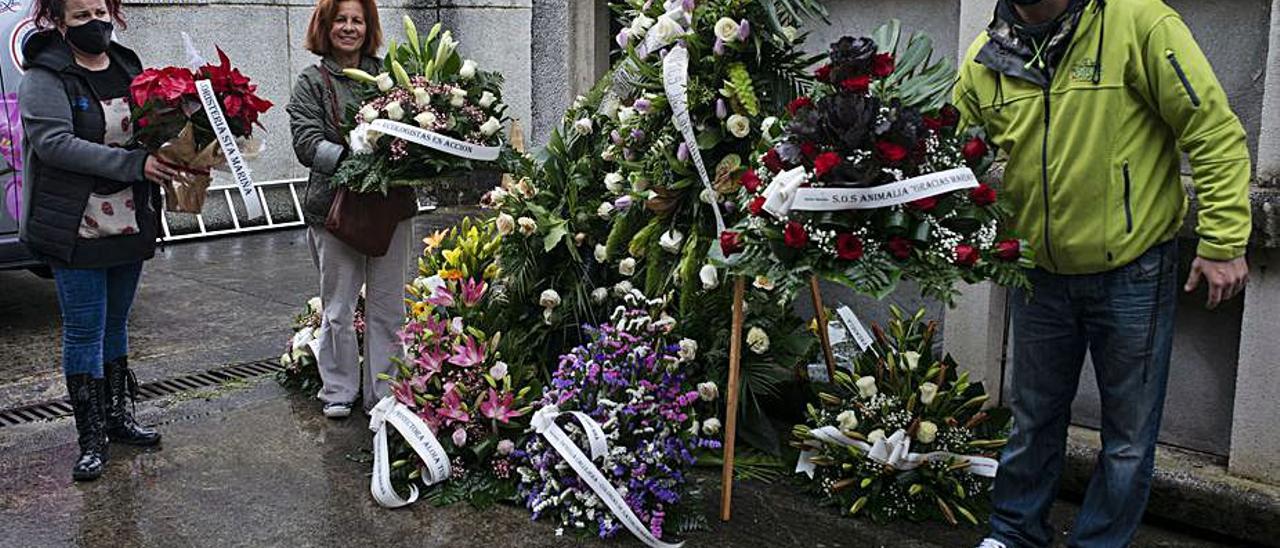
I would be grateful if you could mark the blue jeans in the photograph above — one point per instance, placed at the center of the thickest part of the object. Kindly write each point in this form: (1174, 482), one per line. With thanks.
(95, 306)
(1124, 318)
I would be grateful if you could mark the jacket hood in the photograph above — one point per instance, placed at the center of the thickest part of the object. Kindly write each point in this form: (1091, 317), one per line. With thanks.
(48, 49)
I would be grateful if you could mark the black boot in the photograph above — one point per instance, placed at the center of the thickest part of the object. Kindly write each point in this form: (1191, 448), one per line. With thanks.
(86, 394)
(122, 390)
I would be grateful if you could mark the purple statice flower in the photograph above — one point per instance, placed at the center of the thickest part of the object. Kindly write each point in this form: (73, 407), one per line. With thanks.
(637, 135)
(616, 137)
(744, 30)
(688, 6)
(642, 105)
(682, 152)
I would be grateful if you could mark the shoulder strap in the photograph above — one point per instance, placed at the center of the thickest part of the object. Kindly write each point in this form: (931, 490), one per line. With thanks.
(334, 113)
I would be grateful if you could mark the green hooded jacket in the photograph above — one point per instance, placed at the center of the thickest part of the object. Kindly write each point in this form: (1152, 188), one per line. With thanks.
(1093, 141)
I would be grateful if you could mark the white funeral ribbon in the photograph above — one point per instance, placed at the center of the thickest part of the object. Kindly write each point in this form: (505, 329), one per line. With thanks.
(235, 161)
(675, 80)
(790, 196)
(893, 451)
(781, 191)
(854, 326)
(420, 438)
(544, 422)
(436, 141)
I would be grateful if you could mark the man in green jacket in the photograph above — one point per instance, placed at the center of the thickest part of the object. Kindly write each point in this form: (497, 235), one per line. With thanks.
(1092, 101)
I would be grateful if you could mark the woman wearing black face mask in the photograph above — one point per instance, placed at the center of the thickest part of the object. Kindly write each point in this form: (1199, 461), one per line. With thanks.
(90, 211)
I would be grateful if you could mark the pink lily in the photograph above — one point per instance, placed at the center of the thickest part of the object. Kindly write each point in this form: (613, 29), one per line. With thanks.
(403, 393)
(499, 408)
(442, 297)
(451, 405)
(437, 327)
(409, 333)
(468, 353)
(430, 362)
(472, 291)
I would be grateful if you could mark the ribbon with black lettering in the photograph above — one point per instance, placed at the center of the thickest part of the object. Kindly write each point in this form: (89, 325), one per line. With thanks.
(227, 141)
(420, 438)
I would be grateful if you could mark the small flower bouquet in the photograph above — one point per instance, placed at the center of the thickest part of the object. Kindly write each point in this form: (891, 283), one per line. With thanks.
(905, 435)
(627, 380)
(430, 114)
(170, 121)
(300, 370)
(475, 404)
(871, 180)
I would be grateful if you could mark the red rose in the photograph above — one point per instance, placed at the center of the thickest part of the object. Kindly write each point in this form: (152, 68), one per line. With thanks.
(756, 206)
(824, 163)
(900, 247)
(924, 204)
(730, 242)
(1009, 250)
(773, 161)
(823, 74)
(143, 122)
(966, 255)
(750, 181)
(983, 196)
(891, 152)
(975, 149)
(882, 65)
(799, 103)
(809, 150)
(857, 84)
(950, 115)
(848, 247)
(795, 236)
(932, 124)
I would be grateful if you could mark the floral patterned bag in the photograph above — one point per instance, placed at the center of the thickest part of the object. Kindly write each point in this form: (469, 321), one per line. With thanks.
(107, 215)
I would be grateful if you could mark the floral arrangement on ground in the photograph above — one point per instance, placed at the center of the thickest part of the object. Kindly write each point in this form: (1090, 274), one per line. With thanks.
(299, 368)
(628, 378)
(904, 435)
(431, 95)
(875, 118)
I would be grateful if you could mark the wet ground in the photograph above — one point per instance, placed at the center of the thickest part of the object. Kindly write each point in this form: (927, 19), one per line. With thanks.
(248, 464)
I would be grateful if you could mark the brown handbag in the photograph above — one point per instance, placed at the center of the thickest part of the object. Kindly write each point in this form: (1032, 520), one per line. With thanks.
(365, 221)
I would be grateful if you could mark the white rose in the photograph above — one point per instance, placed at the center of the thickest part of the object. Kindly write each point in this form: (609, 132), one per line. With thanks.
(487, 99)
(711, 426)
(459, 97)
(599, 295)
(394, 110)
(369, 113)
(738, 125)
(583, 126)
(468, 70)
(613, 182)
(867, 386)
(688, 350)
(627, 266)
(621, 289)
(928, 391)
(601, 253)
(640, 25)
(526, 189)
(708, 391)
(425, 119)
(527, 226)
(927, 432)
(625, 114)
(758, 340)
(605, 211)
(549, 299)
(875, 436)
(498, 371)
(359, 139)
(667, 30)
(710, 277)
(421, 97)
(848, 420)
(910, 360)
(727, 29)
(384, 82)
(707, 196)
(314, 305)
(491, 126)
(506, 447)
(506, 224)
(671, 240)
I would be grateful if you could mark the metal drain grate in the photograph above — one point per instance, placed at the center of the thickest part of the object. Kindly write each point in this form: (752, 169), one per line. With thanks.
(54, 409)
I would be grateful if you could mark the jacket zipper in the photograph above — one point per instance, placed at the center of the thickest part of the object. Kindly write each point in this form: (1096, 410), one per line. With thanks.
(1182, 75)
(1044, 179)
(1128, 206)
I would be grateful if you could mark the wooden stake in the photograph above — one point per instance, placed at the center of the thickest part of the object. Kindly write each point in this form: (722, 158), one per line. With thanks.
(731, 406)
(820, 314)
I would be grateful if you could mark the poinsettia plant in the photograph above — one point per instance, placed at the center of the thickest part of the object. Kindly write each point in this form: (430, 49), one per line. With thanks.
(875, 119)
